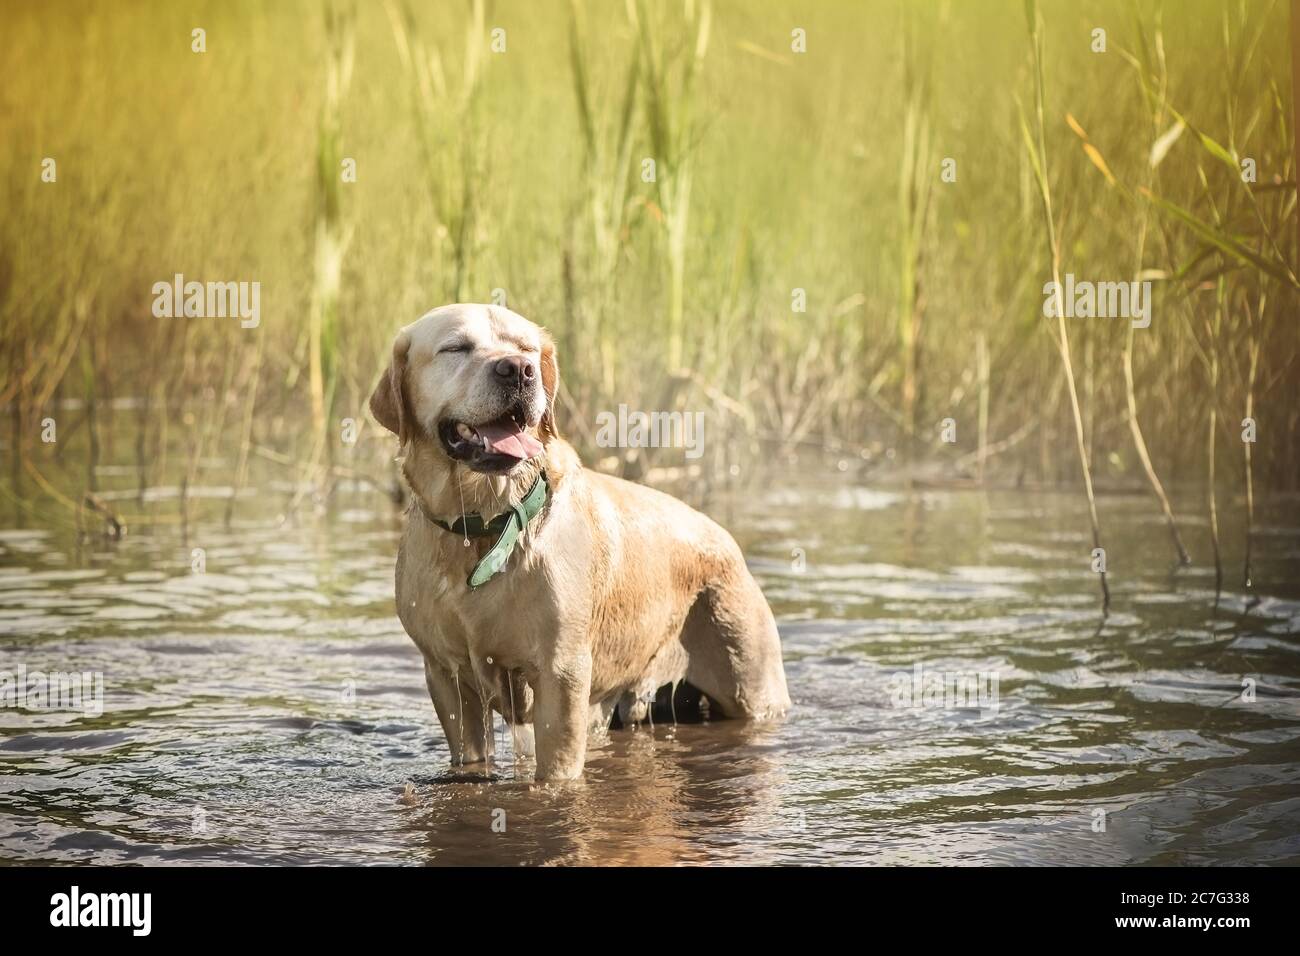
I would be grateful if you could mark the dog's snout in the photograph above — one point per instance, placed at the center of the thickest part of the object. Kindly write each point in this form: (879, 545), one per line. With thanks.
(514, 370)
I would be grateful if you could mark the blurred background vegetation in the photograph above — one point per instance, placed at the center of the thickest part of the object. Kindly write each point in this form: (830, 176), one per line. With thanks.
(521, 169)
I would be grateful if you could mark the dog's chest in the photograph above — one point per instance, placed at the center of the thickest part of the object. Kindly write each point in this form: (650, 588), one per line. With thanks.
(457, 625)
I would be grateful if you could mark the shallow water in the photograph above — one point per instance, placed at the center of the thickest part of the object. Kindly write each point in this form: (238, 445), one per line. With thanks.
(271, 710)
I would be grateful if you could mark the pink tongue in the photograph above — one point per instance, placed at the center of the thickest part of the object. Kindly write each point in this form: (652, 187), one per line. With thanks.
(504, 437)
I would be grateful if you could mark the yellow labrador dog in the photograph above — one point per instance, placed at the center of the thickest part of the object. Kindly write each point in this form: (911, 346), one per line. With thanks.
(539, 590)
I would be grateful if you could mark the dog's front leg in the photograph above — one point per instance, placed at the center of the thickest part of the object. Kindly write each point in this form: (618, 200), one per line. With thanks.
(460, 711)
(561, 708)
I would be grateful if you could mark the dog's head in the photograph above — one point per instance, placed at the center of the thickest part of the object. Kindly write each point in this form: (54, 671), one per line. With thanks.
(478, 382)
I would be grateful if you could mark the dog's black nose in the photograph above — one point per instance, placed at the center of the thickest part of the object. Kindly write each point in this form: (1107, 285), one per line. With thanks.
(514, 369)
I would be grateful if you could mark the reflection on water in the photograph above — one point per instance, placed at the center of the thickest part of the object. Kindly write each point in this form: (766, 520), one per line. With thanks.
(270, 709)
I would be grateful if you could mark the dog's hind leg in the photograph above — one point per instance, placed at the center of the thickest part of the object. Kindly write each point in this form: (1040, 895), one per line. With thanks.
(461, 712)
(735, 651)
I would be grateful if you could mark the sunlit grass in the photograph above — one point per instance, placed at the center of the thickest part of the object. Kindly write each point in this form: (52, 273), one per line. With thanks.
(776, 170)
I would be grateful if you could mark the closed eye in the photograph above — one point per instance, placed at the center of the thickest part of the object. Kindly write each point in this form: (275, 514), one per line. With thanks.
(456, 347)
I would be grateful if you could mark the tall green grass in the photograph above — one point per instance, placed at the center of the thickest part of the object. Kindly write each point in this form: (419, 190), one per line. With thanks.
(775, 170)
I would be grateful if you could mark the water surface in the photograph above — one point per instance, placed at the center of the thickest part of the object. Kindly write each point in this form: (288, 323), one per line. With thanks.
(271, 710)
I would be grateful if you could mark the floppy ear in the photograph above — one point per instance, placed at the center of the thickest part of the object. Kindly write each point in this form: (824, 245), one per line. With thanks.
(388, 401)
(551, 386)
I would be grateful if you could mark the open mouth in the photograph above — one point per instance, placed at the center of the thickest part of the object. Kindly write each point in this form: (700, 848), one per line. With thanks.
(493, 447)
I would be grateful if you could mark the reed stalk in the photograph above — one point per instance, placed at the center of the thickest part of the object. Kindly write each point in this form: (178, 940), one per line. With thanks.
(452, 141)
(917, 174)
(668, 81)
(1212, 429)
(1037, 147)
(332, 236)
(607, 174)
(1157, 102)
(1295, 115)
(1247, 447)
(246, 430)
(982, 375)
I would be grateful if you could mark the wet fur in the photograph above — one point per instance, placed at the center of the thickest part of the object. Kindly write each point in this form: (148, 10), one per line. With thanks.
(614, 591)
